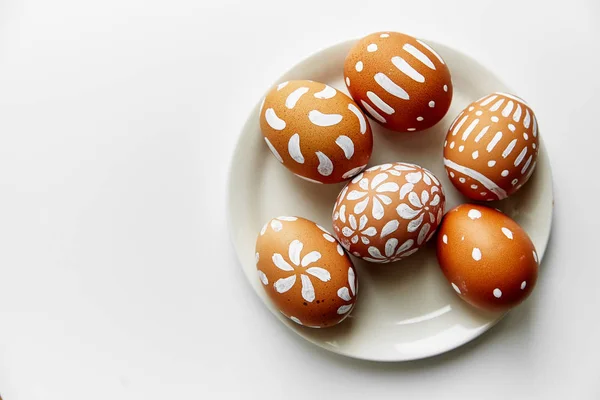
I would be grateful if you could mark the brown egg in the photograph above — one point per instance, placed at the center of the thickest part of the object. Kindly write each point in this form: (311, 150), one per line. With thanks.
(487, 257)
(388, 212)
(399, 80)
(315, 131)
(491, 148)
(305, 272)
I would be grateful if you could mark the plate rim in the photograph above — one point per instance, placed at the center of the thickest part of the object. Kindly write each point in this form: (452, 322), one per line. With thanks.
(298, 329)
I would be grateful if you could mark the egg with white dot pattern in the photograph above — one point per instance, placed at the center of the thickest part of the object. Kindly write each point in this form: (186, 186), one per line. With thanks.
(305, 272)
(491, 148)
(316, 131)
(487, 258)
(388, 212)
(400, 81)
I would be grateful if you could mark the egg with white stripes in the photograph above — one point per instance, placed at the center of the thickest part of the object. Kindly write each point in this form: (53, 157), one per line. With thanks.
(316, 131)
(388, 212)
(400, 81)
(491, 148)
(305, 272)
(487, 258)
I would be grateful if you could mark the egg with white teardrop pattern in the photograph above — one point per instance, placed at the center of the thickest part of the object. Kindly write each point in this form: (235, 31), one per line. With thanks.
(316, 131)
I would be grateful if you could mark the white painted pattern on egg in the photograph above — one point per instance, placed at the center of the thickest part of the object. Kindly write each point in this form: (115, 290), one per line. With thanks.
(488, 100)
(484, 180)
(459, 125)
(481, 134)
(294, 149)
(390, 86)
(353, 172)
(507, 232)
(527, 120)
(517, 114)
(308, 179)
(419, 55)
(407, 69)
(274, 150)
(292, 99)
(476, 254)
(325, 167)
(379, 103)
(508, 109)
(346, 144)
(273, 120)
(327, 93)
(496, 106)
(520, 157)
(320, 119)
(470, 129)
(509, 148)
(494, 142)
(360, 116)
(456, 289)
(431, 50)
(527, 164)
(372, 112)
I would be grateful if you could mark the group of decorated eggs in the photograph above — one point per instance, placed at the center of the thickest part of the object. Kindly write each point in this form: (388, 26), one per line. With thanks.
(387, 212)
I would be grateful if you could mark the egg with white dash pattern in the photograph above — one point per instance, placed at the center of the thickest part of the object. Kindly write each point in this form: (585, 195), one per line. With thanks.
(487, 258)
(388, 212)
(315, 131)
(305, 272)
(491, 148)
(400, 81)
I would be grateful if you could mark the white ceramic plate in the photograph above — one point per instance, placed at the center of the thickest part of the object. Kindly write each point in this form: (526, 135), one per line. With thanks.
(405, 310)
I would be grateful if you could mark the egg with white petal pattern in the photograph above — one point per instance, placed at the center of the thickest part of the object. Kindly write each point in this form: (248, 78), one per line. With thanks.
(305, 272)
(388, 212)
(400, 81)
(487, 258)
(316, 131)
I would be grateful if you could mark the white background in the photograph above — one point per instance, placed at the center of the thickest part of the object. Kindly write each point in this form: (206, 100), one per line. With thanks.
(117, 123)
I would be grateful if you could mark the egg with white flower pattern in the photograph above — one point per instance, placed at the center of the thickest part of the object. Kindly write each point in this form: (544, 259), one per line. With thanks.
(315, 131)
(487, 257)
(305, 272)
(388, 212)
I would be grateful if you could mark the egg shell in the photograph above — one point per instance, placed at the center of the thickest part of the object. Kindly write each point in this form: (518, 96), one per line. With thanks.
(491, 148)
(388, 212)
(305, 272)
(487, 257)
(316, 131)
(400, 81)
